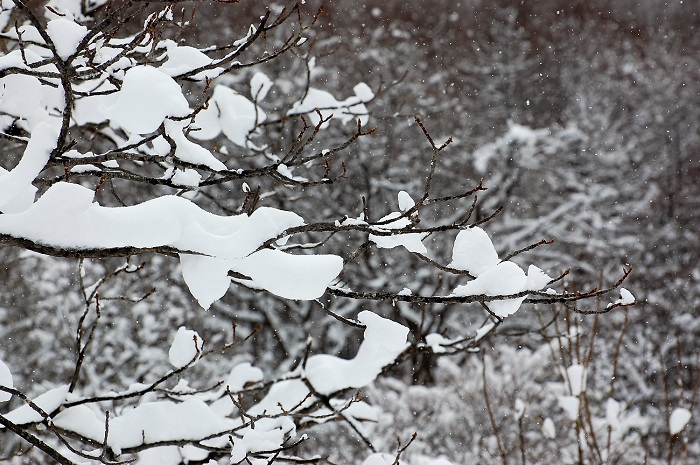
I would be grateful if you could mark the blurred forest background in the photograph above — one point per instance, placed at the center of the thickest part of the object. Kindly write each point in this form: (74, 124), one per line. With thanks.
(582, 118)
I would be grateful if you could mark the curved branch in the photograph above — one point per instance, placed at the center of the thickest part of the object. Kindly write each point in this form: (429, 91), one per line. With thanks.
(88, 252)
(35, 441)
(540, 297)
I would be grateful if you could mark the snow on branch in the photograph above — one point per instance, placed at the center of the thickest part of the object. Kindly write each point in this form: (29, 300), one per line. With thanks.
(66, 218)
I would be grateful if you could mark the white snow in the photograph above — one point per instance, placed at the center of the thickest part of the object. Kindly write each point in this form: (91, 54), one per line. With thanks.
(504, 279)
(65, 35)
(612, 412)
(260, 85)
(165, 455)
(16, 59)
(146, 98)
(66, 216)
(182, 387)
(71, 8)
(187, 177)
(288, 172)
(166, 421)
(194, 454)
(185, 348)
(436, 342)
(440, 461)
(48, 402)
(6, 381)
(380, 459)
(238, 451)
(82, 420)
(5, 13)
(383, 458)
(570, 405)
(26, 98)
(484, 330)
(473, 252)
(548, 429)
(576, 375)
(519, 409)
(303, 277)
(241, 375)
(268, 434)
(87, 168)
(92, 108)
(536, 279)
(353, 221)
(351, 109)
(148, 423)
(27, 32)
(228, 112)
(384, 340)
(405, 201)
(363, 92)
(678, 420)
(283, 396)
(16, 190)
(206, 277)
(413, 242)
(188, 151)
(621, 421)
(20, 95)
(626, 298)
(358, 410)
(183, 59)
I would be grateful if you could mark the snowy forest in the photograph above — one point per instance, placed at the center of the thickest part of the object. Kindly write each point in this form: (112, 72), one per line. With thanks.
(374, 233)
